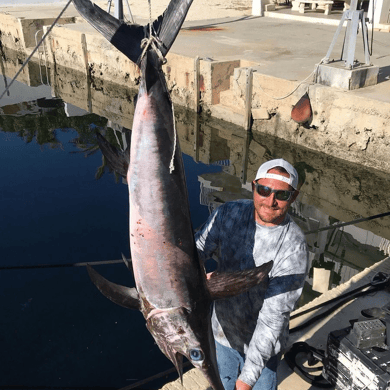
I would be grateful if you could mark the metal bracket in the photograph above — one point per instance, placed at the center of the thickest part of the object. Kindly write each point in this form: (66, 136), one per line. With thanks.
(353, 17)
(118, 10)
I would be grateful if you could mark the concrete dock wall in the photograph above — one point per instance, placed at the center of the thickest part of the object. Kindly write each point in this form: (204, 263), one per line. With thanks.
(350, 125)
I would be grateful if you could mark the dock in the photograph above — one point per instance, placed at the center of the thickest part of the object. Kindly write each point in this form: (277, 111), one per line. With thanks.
(279, 55)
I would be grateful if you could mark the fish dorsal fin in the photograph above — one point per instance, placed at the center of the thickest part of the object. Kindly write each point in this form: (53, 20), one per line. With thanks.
(121, 295)
(228, 284)
(127, 37)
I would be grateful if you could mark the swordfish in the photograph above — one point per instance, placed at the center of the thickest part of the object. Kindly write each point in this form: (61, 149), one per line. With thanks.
(172, 290)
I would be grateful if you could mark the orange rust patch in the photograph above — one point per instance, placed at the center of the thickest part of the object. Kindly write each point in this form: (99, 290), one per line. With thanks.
(201, 84)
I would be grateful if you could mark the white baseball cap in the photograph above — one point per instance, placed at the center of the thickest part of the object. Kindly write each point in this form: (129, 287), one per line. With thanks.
(267, 166)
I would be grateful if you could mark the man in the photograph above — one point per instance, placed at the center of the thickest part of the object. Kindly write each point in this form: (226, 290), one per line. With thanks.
(251, 329)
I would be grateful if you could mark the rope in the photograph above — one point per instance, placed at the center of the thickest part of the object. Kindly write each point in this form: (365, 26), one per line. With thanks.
(36, 48)
(172, 164)
(152, 40)
(289, 94)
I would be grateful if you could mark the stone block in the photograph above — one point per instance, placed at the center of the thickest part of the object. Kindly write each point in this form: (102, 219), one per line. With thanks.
(270, 7)
(336, 75)
(260, 114)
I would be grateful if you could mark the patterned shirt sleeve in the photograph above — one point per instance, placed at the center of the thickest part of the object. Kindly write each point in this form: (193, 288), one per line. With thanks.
(285, 287)
(207, 238)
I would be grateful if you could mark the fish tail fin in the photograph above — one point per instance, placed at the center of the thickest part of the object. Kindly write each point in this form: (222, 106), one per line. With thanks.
(127, 38)
(168, 25)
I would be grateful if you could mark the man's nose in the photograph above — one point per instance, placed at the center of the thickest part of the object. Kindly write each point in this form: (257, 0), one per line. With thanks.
(270, 200)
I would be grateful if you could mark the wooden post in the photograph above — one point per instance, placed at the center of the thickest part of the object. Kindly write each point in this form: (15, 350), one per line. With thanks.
(245, 157)
(85, 54)
(197, 83)
(197, 106)
(53, 65)
(3, 69)
(196, 136)
(248, 98)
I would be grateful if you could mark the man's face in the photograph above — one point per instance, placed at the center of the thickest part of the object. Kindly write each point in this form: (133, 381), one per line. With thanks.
(270, 211)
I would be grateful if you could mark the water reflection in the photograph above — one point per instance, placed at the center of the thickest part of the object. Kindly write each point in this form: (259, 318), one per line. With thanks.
(333, 190)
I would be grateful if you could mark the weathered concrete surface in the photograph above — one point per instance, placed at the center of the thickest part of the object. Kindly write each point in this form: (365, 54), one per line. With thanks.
(104, 98)
(19, 25)
(351, 125)
(327, 186)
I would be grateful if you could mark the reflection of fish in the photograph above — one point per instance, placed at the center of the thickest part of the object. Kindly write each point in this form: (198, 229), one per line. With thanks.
(172, 291)
(117, 160)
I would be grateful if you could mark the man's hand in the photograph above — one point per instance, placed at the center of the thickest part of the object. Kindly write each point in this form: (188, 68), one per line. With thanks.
(240, 385)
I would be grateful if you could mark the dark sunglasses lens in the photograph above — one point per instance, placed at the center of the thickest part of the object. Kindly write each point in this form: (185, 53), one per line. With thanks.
(282, 195)
(263, 191)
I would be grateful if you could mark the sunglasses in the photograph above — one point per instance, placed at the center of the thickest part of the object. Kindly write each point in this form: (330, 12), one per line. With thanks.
(265, 192)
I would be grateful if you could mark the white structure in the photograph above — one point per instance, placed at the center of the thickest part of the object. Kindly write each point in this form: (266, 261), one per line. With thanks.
(381, 11)
(381, 8)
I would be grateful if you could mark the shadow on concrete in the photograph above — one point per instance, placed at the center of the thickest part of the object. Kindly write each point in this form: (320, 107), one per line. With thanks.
(384, 74)
(218, 22)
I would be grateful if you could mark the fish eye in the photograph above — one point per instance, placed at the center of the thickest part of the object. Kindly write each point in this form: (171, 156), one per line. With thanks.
(196, 355)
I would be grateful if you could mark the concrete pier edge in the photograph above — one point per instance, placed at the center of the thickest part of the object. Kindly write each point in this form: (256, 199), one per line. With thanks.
(351, 125)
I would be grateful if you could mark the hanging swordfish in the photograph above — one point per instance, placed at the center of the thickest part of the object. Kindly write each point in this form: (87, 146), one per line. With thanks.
(172, 290)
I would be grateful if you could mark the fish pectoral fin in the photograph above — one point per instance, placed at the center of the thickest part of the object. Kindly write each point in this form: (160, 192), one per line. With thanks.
(121, 295)
(228, 284)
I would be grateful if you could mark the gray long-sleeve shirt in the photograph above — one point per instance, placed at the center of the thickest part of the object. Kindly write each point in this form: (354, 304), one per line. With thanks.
(256, 322)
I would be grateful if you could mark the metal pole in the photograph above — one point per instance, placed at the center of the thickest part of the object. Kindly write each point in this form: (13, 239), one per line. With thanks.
(353, 17)
(118, 11)
(131, 15)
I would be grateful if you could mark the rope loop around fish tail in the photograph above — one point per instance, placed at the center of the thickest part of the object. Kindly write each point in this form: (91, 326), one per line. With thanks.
(152, 40)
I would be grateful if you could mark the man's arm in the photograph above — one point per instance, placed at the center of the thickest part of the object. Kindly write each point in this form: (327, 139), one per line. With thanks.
(284, 289)
(240, 385)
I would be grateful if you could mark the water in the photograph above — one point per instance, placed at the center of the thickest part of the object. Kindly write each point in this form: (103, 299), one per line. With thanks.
(56, 328)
